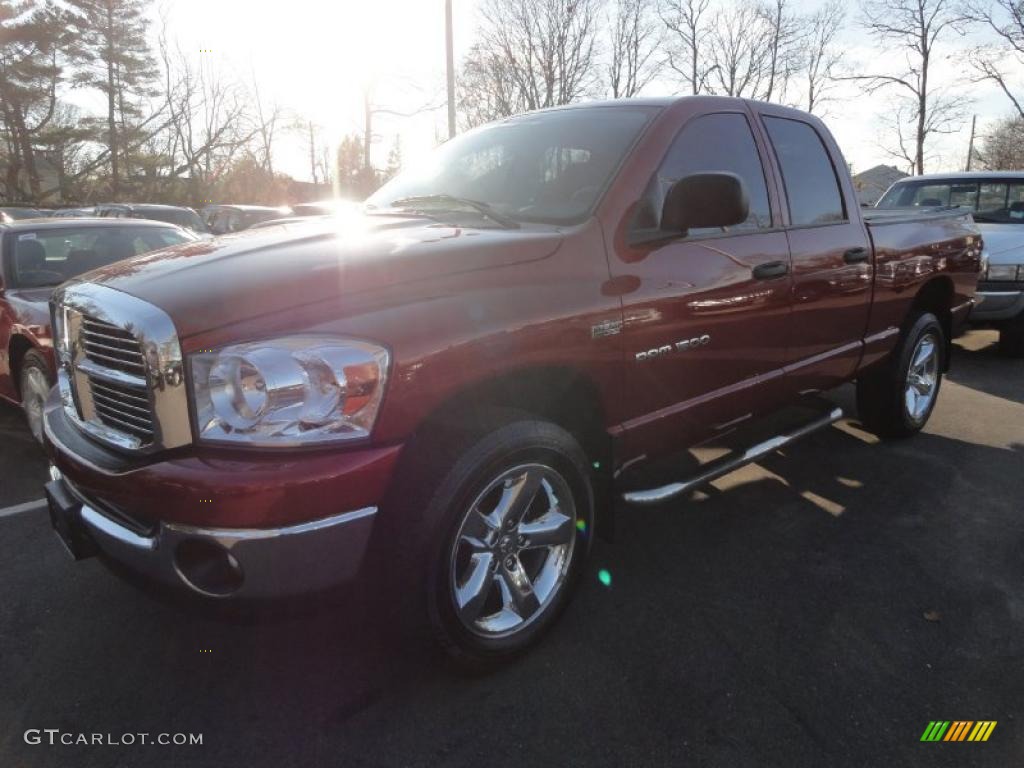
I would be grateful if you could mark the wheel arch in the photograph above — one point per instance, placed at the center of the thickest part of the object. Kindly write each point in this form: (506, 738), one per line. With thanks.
(936, 296)
(562, 395)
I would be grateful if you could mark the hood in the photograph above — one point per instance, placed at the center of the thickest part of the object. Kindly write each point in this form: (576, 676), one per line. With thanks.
(1004, 242)
(34, 296)
(31, 309)
(207, 284)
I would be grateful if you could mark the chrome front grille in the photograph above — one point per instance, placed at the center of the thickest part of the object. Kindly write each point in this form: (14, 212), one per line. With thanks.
(123, 407)
(120, 371)
(113, 347)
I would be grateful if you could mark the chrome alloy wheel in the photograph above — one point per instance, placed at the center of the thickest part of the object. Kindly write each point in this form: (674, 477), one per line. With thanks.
(34, 388)
(513, 551)
(922, 377)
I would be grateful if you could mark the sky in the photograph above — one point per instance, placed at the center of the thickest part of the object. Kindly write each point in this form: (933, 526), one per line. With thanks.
(316, 57)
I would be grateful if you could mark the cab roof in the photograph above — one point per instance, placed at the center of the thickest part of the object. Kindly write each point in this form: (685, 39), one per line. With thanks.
(67, 222)
(966, 176)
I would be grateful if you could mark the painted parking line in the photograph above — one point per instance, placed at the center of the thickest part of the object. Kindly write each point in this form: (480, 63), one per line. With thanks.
(28, 506)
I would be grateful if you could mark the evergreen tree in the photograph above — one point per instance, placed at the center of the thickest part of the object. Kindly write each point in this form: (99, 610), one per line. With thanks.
(33, 38)
(120, 64)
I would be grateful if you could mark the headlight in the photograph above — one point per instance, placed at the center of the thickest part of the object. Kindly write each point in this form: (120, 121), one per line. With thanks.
(296, 390)
(1002, 271)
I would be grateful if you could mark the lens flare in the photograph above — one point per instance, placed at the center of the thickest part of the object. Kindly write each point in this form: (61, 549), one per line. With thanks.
(604, 577)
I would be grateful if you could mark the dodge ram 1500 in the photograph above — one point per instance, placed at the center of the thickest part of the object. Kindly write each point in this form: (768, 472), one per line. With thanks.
(454, 383)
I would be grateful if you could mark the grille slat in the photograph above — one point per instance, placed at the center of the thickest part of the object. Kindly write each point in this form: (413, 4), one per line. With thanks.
(128, 366)
(119, 406)
(113, 403)
(109, 349)
(125, 426)
(108, 337)
(139, 422)
(136, 401)
(111, 346)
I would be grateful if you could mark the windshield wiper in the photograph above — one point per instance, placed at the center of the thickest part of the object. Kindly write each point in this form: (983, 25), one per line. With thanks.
(479, 206)
(988, 219)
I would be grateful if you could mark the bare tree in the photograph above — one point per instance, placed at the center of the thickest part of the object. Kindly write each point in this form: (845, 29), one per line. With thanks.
(1004, 19)
(207, 116)
(1003, 147)
(685, 22)
(916, 27)
(635, 38)
(486, 89)
(820, 58)
(784, 31)
(739, 49)
(544, 51)
(267, 120)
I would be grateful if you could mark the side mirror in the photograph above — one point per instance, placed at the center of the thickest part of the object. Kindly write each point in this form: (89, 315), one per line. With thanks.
(716, 199)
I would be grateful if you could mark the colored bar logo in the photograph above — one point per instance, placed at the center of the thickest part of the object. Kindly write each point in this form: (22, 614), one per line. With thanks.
(958, 730)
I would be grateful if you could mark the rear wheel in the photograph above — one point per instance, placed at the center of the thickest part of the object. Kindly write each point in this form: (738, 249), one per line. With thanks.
(1011, 337)
(897, 398)
(35, 386)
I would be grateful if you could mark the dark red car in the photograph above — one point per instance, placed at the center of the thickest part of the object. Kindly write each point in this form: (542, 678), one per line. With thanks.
(36, 255)
(448, 389)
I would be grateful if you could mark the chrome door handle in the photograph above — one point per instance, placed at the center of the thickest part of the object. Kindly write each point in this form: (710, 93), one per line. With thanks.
(770, 269)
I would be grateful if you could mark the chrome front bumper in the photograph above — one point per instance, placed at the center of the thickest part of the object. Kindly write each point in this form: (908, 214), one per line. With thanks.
(998, 305)
(237, 563)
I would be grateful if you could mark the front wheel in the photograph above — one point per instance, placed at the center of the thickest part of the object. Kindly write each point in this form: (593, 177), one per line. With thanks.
(516, 514)
(35, 386)
(897, 398)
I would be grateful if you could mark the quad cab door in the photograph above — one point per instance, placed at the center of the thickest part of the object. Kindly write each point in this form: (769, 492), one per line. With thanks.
(833, 267)
(705, 315)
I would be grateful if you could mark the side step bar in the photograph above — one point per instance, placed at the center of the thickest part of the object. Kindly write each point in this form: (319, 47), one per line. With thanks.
(727, 464)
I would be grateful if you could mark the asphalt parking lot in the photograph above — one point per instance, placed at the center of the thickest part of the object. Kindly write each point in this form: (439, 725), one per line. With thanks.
(817, 609)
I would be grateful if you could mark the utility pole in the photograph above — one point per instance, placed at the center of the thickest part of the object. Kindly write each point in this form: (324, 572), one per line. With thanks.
(970, 146)
(450, 53)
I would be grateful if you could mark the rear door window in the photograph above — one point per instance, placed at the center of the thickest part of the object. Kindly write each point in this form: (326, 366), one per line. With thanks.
(812, 187)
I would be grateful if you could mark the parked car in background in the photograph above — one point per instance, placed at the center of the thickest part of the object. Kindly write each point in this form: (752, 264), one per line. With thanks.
(77, 213)
(171, 214)
(323, 207)
(446, 387)
(223, 219)
(35, 256)
(16, 212)
(996, 199)
(287, 220)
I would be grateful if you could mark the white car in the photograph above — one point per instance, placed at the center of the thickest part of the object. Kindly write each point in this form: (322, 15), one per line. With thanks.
(997, 200)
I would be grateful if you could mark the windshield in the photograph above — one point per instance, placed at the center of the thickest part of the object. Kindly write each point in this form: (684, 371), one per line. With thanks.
(998, 201)
(547, 166)
(183, 217)
(50, 256)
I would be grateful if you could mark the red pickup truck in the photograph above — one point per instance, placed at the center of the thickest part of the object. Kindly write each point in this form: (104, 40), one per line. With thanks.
(450, 385)
(35, 256)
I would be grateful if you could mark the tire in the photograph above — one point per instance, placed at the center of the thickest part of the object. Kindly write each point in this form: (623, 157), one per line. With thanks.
(35, 384)
(897, 398)
(1011, 337)
(491, 590)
